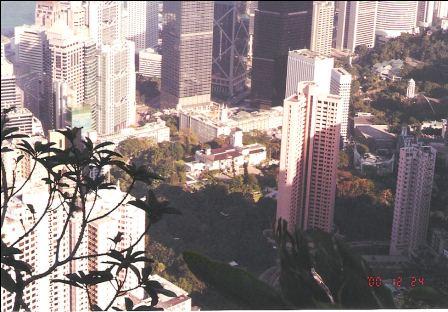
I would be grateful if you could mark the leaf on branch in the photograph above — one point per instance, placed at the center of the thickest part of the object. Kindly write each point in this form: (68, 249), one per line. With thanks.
(106, 186)
(96, 277)
(26, 147)
(153, 294)
(110, 153)
(136, 271)
(7, 282)
(116, 255)
(31, 208)
(154, 208)
(68, 282)
(128, 304)
(118, 238)
(16, 136)
(6, 149)
(145, 273)
(156, 286)
(96, 308)
(9, 251)
(147, 308)
(20, 265)
(19, 158)
(101, 145)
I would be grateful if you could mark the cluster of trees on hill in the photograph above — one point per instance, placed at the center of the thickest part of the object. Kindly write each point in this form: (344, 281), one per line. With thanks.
(429, 57)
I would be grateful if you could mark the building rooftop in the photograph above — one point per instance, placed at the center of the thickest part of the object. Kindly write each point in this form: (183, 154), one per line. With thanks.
(341, 71)
(309, 54)
(223, 153)
(235, 115)
(376, 132)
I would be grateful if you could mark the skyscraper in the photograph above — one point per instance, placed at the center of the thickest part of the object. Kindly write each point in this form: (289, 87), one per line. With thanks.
(48, 12)
(341, 82)
(305, 65)
(395, 17)
(105, 21)
(65, 62)
(356, 24)
(425, 13)
(142, 24)
(187, 44)
(250, 8)
(10, 94)
(308, 158)
(280, 26)
(230, 41)
(116, 107)
(29, 46)
(441, 9)
(322, 27)
(412, 198)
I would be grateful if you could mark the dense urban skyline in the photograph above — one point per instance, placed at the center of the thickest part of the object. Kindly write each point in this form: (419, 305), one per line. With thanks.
(220, 121)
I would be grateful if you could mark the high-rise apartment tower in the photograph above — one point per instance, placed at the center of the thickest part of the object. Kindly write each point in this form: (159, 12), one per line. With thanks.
(308, 158)
(412, 198)
(306, 65)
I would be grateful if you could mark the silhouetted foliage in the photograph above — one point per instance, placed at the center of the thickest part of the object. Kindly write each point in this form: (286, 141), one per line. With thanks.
(317, 270)
(73, 165)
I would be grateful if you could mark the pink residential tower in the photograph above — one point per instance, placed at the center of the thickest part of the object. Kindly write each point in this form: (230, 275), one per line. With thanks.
(309, 156)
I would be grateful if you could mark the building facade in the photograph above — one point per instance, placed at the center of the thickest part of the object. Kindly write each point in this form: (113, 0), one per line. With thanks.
(105, 21)
(425, 13)
(158, 131)
(395, 18)
(44, 295)
(187, 44)
(208, 125)
(440, 9)
(29, 46)
(308, 158)
(305, 65)
(280, 26)
(11, 95)
(69, 60)
(356, 24)
(116, 106)
(250, 9)
(341, 83)
(142, 26)
(150, 63)
(412, 198)
(322, 27)
(230, 46)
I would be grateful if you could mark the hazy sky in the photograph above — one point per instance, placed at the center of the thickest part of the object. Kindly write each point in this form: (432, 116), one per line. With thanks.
(15, 13)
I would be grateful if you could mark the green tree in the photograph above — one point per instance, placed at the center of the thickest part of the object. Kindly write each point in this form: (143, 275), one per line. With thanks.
(362, 149)
(344, 160)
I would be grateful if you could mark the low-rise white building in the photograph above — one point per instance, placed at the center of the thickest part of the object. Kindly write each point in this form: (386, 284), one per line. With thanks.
(158, 131)
(219, 120)
(230, 159)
